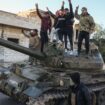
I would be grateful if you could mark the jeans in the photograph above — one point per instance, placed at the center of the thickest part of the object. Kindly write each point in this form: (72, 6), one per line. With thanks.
(83, 35)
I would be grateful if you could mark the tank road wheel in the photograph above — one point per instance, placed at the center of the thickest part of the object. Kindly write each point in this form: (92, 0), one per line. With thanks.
(101, 97)
(49, 99)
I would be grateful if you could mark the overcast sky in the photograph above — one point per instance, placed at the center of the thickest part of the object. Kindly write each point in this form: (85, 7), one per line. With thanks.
(95, 7)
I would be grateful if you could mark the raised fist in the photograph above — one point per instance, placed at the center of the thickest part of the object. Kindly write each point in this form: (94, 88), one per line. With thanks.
(36, 5)
(63, 2)
(69, 1)
(77, 7)
(47, 8)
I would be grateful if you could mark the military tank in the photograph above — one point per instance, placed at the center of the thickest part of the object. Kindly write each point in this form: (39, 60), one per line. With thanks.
(48, 81)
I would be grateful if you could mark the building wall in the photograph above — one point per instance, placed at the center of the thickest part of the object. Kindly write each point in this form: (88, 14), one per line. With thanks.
(33, 17)
(8, 55)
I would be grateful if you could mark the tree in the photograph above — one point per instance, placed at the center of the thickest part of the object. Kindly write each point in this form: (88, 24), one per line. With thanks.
(100, 33)
(99, 38)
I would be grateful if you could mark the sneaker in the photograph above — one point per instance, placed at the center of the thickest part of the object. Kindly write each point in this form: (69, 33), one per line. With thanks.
(65, 50)
(68, 49)
(59, 42)
(87, 56)
(71, 52)
(31, 63)
(78, 54)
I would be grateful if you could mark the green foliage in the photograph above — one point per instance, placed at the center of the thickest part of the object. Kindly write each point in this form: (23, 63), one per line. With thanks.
(99, 38)
(100, 33)
(102, 50)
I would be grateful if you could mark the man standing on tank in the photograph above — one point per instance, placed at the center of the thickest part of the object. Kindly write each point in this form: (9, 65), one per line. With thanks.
(46, 25)
(87, 26)
(69, 20)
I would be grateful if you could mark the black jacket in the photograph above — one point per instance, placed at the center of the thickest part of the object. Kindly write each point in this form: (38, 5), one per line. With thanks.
(82, 95)
(60, 22)
(70, 16)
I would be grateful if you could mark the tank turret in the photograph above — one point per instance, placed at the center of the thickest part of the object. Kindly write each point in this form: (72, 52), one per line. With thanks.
(56, 57)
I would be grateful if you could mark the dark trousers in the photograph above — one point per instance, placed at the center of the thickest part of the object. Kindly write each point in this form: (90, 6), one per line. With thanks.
(60, 34)
(44, 39)
(76, 34)
(83, 35)
(69, 34)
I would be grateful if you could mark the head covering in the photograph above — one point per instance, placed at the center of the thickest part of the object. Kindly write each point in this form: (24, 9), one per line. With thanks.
(75, 77)
(46, 12)
(33, 32)
(66, 9)
(84, 8)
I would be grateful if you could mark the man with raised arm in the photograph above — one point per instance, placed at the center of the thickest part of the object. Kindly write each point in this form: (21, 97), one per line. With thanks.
(87, 26)
(34, 42)
(59, 20)
(45, 27)
(69, 20)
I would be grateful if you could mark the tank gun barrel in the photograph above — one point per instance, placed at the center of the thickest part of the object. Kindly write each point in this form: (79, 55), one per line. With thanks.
(21, 49)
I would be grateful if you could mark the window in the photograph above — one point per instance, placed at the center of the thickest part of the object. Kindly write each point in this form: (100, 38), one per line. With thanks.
(15, 40)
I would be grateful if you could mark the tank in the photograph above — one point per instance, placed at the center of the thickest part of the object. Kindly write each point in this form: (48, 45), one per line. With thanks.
(48, 81)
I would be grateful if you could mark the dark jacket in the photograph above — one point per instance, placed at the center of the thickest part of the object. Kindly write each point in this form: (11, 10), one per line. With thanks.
(86, 22)
(46, 22)
(60, 22)
(70, 16)
(82, 95)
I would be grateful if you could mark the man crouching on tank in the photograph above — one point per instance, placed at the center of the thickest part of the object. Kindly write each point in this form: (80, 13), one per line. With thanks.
(81, 93)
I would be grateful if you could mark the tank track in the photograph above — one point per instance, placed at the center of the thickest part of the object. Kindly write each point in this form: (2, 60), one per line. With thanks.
(50, 98)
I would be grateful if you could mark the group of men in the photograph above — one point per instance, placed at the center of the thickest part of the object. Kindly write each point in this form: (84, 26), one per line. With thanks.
(63, 25)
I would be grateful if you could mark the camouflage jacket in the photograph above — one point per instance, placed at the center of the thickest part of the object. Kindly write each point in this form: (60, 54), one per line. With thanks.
(86, 22)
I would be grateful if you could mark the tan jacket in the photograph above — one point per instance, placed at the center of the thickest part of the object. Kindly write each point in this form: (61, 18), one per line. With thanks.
(77, 26)
(86, 22)
(34, 42)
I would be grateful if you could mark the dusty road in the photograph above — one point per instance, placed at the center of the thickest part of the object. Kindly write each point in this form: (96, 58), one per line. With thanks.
(5, 100)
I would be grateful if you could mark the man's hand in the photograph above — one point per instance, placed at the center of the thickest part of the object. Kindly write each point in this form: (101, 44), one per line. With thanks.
(77, 7)
(63, 3)
(47, 8)
(36, 5)
(69, 1)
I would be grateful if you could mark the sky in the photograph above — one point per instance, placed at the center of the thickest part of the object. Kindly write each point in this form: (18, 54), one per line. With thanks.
(95, 7)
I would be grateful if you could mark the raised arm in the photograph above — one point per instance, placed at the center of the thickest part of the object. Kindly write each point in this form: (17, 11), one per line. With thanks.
(71, 8)
(26, 33)
(37, 10)
(50, 26)
(52, 15)
(77, 16)
(62, 7)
